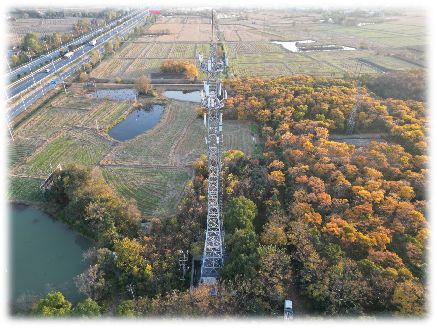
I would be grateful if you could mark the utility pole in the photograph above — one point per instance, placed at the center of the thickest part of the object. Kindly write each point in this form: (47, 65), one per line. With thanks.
(213, 96)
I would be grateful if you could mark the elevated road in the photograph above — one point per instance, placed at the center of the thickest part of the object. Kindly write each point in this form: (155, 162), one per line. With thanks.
(14, 89)
(39, 83)
(35, 63)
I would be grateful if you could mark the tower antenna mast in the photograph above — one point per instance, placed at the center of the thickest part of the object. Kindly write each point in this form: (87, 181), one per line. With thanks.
(213, 96)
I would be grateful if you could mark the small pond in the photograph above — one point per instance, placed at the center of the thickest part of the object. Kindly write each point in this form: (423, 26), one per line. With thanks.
(193, 96)
(137, 122)
(45, 255)
(294, 46)
(115, 94)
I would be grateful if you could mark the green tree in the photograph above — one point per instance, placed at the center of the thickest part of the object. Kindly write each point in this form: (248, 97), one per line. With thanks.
(52, 305)
(409, 297)
(32, 43)
(15, 60)
(56, 39)
(116, 43)
(130, 259)
(87, 308)
(94, 57)
(239, 214)
(243, 257)
(126, 309)
(109, 48)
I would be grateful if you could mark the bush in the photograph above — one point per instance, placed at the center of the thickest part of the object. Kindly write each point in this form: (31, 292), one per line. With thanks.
(180, 66)
(83, 77)
(144, 87)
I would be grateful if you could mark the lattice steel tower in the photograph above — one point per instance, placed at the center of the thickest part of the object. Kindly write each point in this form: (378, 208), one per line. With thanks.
(213, 96)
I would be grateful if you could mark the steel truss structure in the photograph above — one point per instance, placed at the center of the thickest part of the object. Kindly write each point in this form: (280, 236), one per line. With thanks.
(212, 97)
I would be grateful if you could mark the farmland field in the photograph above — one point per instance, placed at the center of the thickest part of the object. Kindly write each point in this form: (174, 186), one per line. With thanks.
(250, 34)
(73, 127)
(153, 164)
(24, 189)
(156, 190)
(247, 41)
(83, 148)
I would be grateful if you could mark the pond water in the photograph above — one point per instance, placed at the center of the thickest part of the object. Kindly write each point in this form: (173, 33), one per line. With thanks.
(293, 46)
(193, 96)
(115, 94)
(45, 255)
(137, 122)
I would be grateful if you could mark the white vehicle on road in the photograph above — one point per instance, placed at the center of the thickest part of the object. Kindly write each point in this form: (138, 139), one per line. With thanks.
(69, 54)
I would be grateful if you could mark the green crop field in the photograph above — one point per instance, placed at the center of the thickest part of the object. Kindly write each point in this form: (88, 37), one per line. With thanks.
(156, 190)
(24, 189)
(83, 148)
(18, 151)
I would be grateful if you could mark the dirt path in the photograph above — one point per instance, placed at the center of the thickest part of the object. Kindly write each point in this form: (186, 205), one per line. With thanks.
(359, 140)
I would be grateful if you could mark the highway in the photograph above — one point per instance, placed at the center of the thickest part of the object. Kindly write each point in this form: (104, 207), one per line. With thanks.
(35, 63)
(35, 77)
(62, 68)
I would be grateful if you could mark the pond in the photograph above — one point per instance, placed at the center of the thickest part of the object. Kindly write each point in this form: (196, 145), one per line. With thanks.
(137, 122)
(115, 94)
(193, 96)
(301, 46)
(45, 255)
(292, 45)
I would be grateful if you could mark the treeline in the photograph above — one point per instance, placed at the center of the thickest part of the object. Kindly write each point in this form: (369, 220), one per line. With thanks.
(127, 262)
(81, 198)
(339, 230)
(34, 45)
(401, 85)
(353, 219)
(326, 103)
(180, 67)
(147, 265)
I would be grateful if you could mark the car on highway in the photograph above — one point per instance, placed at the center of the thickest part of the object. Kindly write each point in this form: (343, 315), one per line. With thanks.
(47, 70)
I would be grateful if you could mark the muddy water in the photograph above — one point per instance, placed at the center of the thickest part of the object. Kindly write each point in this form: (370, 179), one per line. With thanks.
(192, 96)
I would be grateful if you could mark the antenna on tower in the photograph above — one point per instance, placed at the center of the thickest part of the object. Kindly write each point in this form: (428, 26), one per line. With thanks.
(213, 101)
(212, 25)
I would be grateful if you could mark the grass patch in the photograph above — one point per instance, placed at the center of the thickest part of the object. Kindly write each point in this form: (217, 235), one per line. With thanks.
(85, 148)
(24, 189)
(156, 190)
